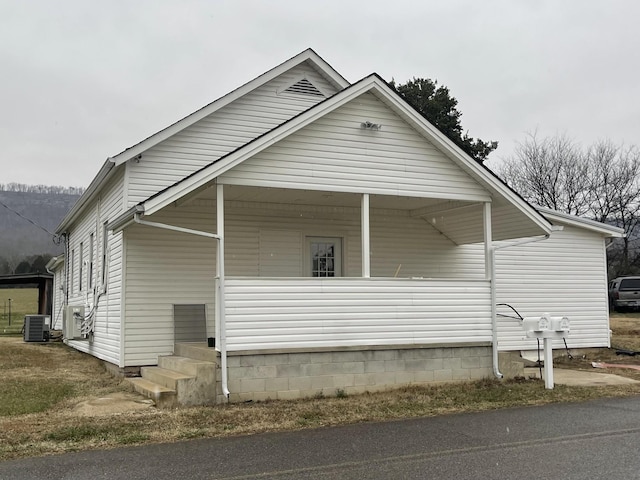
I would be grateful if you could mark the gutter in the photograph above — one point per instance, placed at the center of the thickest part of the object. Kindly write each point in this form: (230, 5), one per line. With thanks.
(220, 323)
(494, 313)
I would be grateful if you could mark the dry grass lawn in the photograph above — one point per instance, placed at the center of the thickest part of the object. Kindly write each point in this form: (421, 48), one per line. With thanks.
(40, 410)
(24, 301)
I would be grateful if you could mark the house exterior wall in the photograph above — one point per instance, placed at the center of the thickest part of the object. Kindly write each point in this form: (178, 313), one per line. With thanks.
(334, 153)
(165, 267)
(270, 242)
(564, 275)
(106, 340)
(220, 133)
(57, 311)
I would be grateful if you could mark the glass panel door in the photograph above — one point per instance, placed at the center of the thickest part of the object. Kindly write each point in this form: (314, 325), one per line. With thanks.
(325, 256)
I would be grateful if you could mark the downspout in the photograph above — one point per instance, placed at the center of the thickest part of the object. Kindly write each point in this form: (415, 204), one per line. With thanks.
(220, 273)
(494, 313)
(221, 298)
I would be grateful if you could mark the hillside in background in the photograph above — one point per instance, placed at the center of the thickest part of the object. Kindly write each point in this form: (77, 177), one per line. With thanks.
(44, 206)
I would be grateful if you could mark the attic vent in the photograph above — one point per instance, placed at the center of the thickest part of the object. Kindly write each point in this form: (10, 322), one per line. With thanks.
(304, 87)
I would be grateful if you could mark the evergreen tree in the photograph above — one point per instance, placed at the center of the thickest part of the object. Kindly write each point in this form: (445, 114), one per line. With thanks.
(436, 104)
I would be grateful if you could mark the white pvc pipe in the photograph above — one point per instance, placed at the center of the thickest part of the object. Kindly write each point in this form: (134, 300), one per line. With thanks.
(221, 299)
(490, 275)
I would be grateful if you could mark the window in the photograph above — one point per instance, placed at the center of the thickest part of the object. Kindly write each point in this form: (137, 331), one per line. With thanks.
(91, 239)
(325, 256)
(105, 237)
(80, 267)
(72, 265)
(630, 284)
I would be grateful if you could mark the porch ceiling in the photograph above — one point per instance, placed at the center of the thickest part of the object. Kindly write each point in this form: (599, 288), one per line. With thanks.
(316, 197)
(460, 221)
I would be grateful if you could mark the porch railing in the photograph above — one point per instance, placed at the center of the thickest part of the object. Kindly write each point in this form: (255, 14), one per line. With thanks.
(283, 313)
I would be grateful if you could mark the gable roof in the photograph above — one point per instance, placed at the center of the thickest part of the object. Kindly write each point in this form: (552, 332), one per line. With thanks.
(308, 55)
(373, 84)
(107, 169)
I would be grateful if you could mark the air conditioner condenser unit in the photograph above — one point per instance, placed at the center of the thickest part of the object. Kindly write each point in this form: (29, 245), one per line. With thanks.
(36, 328)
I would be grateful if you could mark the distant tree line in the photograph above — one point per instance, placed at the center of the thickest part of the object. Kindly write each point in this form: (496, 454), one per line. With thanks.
(49, 189)
(30, 264)
(28, 213)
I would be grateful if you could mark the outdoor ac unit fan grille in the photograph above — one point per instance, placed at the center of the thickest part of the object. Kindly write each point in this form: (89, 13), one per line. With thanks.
(35, 327)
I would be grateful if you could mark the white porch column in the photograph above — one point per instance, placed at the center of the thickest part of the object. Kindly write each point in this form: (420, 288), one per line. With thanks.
(488, 240)
(365, 235)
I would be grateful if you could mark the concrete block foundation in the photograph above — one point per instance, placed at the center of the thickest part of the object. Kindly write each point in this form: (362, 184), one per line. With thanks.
(285, 375)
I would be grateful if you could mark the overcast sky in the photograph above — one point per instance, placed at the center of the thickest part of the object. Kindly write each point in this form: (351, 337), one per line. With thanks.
(82, 80)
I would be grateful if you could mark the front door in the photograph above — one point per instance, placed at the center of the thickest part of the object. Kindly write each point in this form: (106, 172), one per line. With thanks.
(325, 256)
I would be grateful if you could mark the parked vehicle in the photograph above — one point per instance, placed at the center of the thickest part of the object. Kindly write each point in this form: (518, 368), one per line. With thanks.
(624, 293)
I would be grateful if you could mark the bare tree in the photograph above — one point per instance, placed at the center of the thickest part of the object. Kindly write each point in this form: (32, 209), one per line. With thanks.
(550, 172)
(601, 182)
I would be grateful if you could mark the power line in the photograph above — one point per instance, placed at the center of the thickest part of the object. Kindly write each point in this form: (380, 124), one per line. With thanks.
(27, 219)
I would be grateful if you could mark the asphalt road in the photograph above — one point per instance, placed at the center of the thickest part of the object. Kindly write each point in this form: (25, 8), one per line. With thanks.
(592, 440)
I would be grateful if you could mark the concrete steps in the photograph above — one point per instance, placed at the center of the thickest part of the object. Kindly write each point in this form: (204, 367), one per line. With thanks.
(185, 379)
(198, 351)
(162, 396)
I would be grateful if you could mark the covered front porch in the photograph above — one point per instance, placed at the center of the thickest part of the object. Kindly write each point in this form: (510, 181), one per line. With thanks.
(304, 268)
(303, 272)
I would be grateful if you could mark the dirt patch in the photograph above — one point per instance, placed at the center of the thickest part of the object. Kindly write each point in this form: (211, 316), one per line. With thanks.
(112, 404)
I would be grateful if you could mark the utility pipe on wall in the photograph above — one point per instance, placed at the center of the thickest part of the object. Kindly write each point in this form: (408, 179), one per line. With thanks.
(220, 269)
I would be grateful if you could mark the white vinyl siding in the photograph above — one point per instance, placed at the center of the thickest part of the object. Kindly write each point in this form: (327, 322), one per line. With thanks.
(57, 310)
(397, 239)
(334, 153)
(309, 313)
(564, 275)
(106, 340)
(220, 133)
(166, 268)
(280, 253)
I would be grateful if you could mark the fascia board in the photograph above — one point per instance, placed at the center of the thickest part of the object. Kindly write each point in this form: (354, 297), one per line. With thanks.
(322, 66)
(575, 221)
(208, 174)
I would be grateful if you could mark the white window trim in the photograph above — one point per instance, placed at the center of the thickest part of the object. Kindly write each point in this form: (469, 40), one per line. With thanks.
(339, 258)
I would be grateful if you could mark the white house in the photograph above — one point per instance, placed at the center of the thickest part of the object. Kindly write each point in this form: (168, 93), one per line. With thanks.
(323, 236)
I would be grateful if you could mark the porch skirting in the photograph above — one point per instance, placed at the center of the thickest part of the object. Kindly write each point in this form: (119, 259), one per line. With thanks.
(263, 375)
